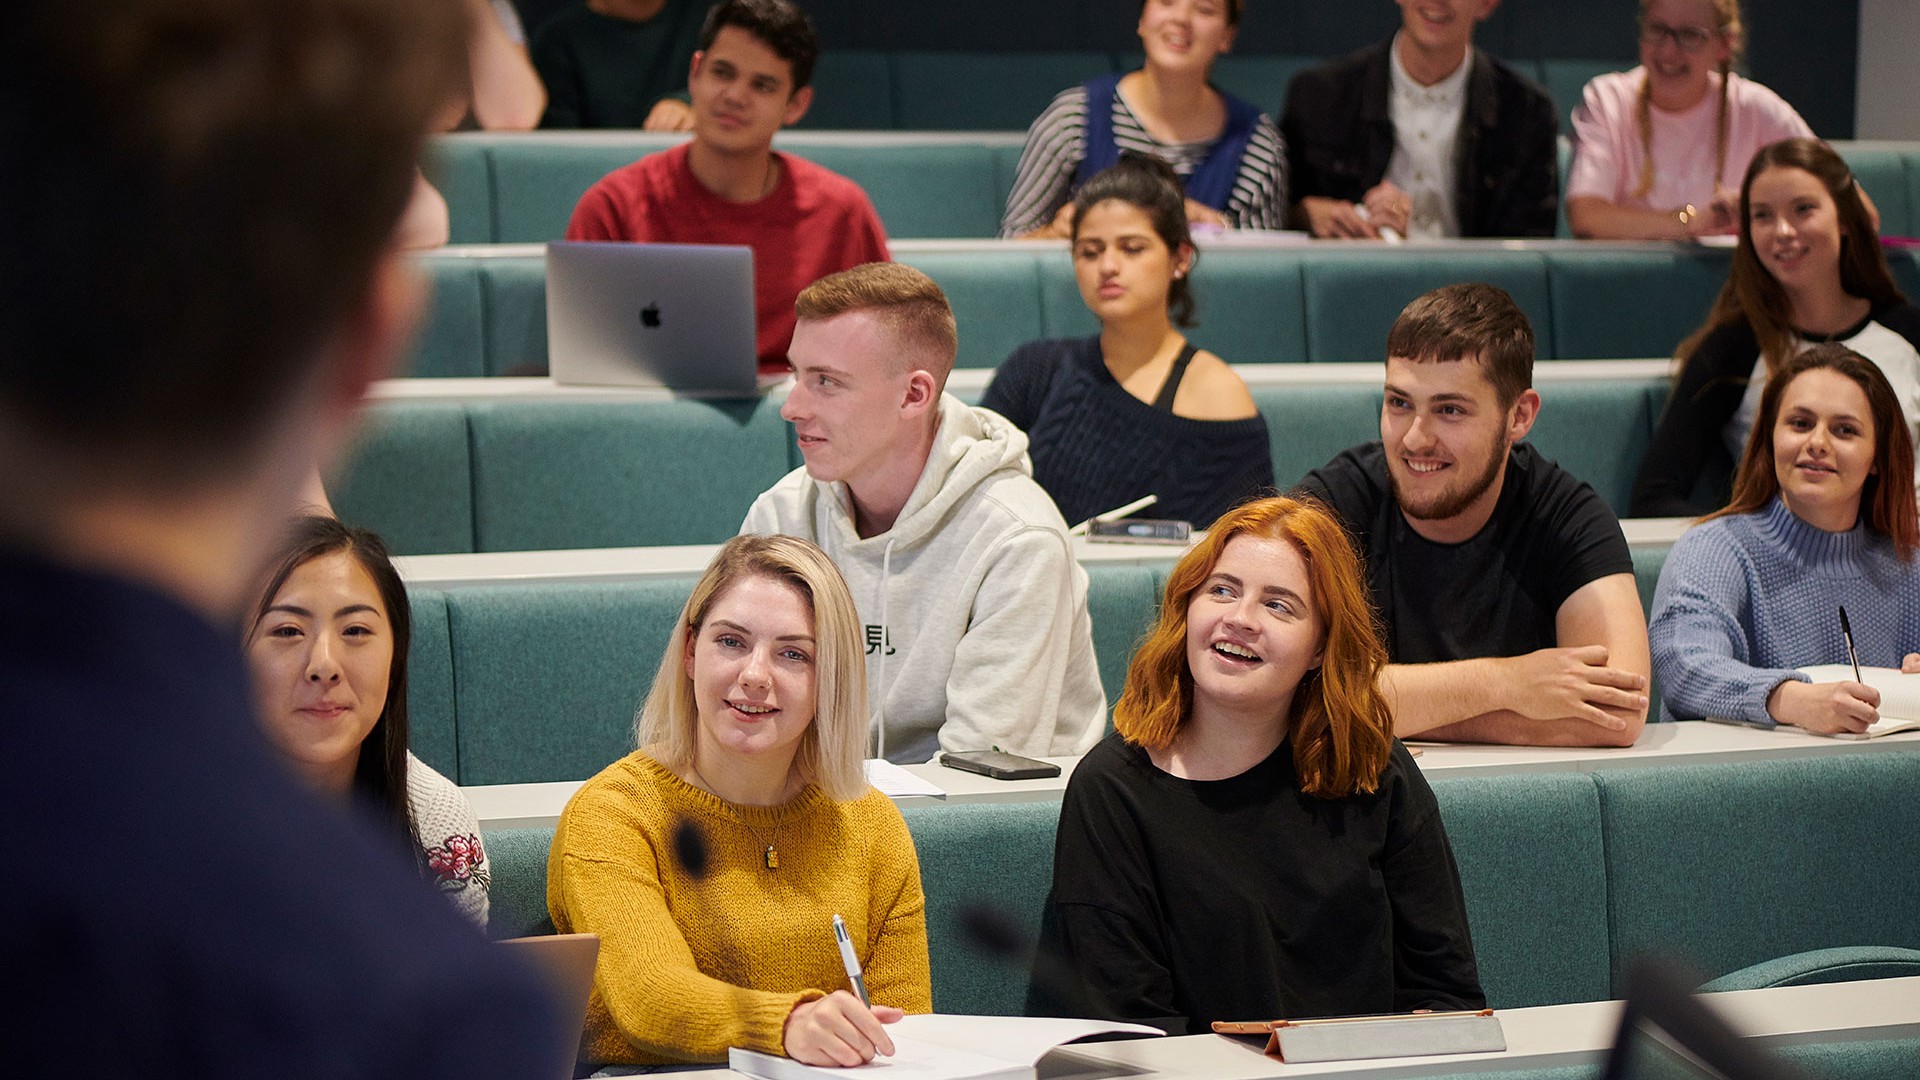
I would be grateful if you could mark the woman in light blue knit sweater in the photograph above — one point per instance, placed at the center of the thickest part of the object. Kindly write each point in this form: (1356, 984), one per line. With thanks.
(1753, 592)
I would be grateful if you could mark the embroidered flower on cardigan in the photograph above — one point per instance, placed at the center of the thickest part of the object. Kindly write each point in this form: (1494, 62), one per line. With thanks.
(459, 862)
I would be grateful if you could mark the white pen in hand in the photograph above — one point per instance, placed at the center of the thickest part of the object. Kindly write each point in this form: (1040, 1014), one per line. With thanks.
(851, 961)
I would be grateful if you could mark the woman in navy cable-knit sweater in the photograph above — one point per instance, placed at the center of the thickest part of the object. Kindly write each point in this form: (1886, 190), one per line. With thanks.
(1822, 518)
(1137, 409)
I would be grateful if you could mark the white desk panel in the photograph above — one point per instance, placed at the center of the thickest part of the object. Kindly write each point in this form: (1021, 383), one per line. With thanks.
(1547, 1037)
(1692, 742)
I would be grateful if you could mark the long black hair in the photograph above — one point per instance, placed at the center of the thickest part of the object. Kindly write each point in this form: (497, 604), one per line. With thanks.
(380, 774)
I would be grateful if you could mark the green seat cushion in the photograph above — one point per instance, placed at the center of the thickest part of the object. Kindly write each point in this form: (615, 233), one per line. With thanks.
(409, 478)
(1529, 850)
(1353, 297)
(514, 290)
(1123, 601)
(1310, 425)
(924, 190)
(1725, 866)
(1882, 174)
(1610, 305)
(431, 730)
(639, 473)
(448, 343)
(517, 895)
(986, 869)
(552, 676)
(457, 168)
(537, 183)
(1596, 430)
(1823, 966)
(995, 298)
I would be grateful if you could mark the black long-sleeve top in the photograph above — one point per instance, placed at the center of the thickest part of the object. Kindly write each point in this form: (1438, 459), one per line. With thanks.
(1180, 902)
(1695, 432)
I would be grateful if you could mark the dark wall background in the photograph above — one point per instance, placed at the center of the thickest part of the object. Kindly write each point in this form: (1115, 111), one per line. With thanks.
(1807, 50)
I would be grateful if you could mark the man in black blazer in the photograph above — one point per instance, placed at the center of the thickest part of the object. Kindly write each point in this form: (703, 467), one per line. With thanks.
(1423, 135)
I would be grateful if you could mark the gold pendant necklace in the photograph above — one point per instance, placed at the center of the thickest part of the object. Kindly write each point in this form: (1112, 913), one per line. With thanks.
(770, 855)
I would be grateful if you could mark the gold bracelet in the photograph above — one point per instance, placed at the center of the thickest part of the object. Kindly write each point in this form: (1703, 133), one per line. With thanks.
(1686, 214)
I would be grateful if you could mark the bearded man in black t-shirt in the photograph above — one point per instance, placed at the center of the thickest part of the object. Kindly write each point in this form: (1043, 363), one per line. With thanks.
(1504, 583)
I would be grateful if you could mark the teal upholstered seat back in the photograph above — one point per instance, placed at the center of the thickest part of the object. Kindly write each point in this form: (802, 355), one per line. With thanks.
(410, 478)
(517, 895)
(1728, 865)
(431, 730)
(551, 677)
(1529, 851)
(991, 862)
(583, 474)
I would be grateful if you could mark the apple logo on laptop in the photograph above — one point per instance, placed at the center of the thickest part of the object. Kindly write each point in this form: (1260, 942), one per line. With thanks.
(650, 316)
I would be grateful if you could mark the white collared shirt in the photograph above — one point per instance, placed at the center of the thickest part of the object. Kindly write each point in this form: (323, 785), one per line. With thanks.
(1426, 138)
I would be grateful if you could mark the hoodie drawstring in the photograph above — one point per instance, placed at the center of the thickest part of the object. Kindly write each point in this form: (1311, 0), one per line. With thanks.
(880, 683)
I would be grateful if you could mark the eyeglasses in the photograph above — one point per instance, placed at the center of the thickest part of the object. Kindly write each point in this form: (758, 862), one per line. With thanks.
(1687, 38)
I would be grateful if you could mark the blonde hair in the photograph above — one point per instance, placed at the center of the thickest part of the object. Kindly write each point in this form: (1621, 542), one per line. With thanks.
(908, 303)
(833, 750)
(1727, 14)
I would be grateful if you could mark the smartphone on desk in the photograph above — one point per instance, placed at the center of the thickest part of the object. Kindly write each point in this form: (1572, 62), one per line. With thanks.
(1141, 531)
(999, 765)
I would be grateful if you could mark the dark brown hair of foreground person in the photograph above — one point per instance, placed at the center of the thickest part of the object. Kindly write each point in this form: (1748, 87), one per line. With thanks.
(195, 193)
(1339, 723)
(1887, 500)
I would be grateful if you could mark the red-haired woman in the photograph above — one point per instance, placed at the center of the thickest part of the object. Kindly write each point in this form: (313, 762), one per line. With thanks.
(1252, 842)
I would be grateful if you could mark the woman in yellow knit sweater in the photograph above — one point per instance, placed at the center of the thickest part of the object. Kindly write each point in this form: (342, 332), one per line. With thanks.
(712, 860)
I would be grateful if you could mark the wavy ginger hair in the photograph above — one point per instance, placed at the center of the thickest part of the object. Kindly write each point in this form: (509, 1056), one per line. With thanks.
(1339, 722)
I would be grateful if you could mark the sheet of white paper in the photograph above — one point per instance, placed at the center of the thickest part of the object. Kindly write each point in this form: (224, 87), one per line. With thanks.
(894, 781)
(1022, 1039)
(935, 1047)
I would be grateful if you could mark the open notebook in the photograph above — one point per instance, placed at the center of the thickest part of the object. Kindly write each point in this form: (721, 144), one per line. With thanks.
(946, 1047)
(1899, 698)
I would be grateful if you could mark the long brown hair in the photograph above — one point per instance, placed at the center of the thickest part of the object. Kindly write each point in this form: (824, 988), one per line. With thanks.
(1887, 500)
(1752, 294)
(1726, 15)
(1340, 724)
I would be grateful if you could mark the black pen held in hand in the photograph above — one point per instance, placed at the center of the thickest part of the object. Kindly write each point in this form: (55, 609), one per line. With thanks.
(1846, 631)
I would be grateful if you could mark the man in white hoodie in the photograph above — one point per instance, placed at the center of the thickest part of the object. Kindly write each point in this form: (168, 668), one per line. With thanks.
(975, 609)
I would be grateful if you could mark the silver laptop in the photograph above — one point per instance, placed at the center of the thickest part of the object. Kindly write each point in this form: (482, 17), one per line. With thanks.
(674, 315)
(566, 961)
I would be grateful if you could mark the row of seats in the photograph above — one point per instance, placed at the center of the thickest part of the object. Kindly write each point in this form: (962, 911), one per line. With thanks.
(1269, 26)
(529, 683)
(1567, 875)
(922, 90)
(522, 188)
(1272, 305)
(1805, 49)
(527, 475)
